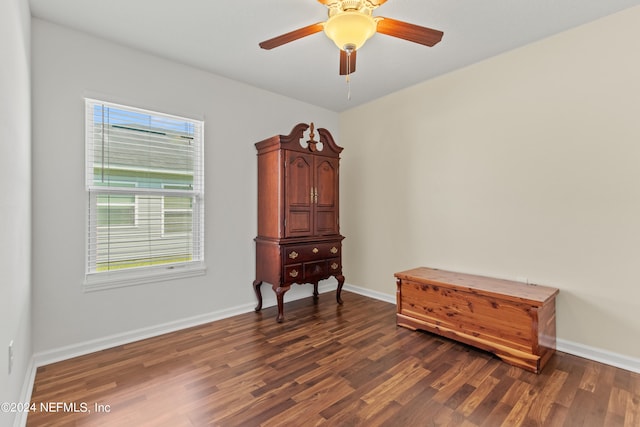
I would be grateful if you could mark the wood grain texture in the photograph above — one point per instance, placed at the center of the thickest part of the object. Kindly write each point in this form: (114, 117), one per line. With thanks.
(513, 320)
(292, 36)
(332, 365)
(534, 295)
(298, 206)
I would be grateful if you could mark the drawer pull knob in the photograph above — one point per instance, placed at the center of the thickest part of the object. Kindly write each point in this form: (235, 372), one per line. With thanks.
(333, 250)
(293, 255)
(334, 266)
(293, 273)
(315, 250)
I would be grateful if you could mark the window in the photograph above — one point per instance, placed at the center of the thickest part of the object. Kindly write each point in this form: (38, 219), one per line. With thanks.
(144, 181)
(113, 210)
(176, 213)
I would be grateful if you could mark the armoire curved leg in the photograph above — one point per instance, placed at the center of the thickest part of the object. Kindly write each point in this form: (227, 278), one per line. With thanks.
(315, 290)
(256, 287)
(340, 279)
(280, 291)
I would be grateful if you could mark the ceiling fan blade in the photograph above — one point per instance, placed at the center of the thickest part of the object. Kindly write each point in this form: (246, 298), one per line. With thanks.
(291, 36)
(410, 32)
(349, 63)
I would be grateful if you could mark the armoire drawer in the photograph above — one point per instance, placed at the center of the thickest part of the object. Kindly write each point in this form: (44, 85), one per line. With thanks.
(294, 273)
(312, 271)
(295, 254)
(315, 270)
(334, 265)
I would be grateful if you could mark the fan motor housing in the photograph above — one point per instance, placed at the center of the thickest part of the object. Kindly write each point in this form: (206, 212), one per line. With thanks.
(363, 6)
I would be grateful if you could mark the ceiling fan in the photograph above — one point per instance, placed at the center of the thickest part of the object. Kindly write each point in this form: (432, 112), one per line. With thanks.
(351, 24)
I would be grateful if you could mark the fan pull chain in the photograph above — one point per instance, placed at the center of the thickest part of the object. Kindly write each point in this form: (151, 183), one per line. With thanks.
(348, 78)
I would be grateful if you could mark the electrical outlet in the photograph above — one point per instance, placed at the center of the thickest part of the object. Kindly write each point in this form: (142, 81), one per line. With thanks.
(10, 356)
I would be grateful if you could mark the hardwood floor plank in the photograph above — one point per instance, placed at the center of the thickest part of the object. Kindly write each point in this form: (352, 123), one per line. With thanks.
(590, 378)
(461, 394)
(361, 371)
(477, 396)
(491, 401)
(465, 370)
(326, 365)
(403, 376)
(575, 373)
(261, 410)
(618, 400)
(549, 389)
(378, 414)
(520, 408)
(632, 414)
(483, 373)
(419, 411)
(497, 416)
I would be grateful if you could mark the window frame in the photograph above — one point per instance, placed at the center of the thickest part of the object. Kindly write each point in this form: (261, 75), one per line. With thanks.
(128, 276)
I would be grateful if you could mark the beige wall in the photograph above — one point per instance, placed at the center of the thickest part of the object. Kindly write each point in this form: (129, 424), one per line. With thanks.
(526, 165)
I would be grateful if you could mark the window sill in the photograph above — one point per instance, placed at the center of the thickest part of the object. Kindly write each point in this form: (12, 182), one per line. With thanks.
(118, 279)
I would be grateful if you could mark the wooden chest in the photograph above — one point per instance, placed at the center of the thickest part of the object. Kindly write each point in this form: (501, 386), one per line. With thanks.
(513, 320)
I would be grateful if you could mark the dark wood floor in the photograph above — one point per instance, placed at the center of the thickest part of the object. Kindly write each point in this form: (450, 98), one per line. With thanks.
(325, 365)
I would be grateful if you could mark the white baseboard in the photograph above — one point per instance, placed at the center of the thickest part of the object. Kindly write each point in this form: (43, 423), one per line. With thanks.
(80, 349)
(68, 352)
(596, 354)
(371, 294)
(87, 347)
(599, 355)
(25, 393)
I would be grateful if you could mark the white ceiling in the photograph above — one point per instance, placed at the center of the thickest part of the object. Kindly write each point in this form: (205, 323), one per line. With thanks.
(223, 36)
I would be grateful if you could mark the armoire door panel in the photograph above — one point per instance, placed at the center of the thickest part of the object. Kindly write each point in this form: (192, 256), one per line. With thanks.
(298, 224)
(326, 222)
(326, 182)
(299, 177)
(299, 196)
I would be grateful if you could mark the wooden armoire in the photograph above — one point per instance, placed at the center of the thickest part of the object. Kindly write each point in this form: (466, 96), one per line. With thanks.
(299, 237)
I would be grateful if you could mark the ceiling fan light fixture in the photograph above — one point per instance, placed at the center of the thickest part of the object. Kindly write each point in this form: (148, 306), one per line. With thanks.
(350, 28)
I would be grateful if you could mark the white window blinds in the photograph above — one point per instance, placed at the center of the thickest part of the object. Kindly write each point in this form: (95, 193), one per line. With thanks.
(145, 186)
